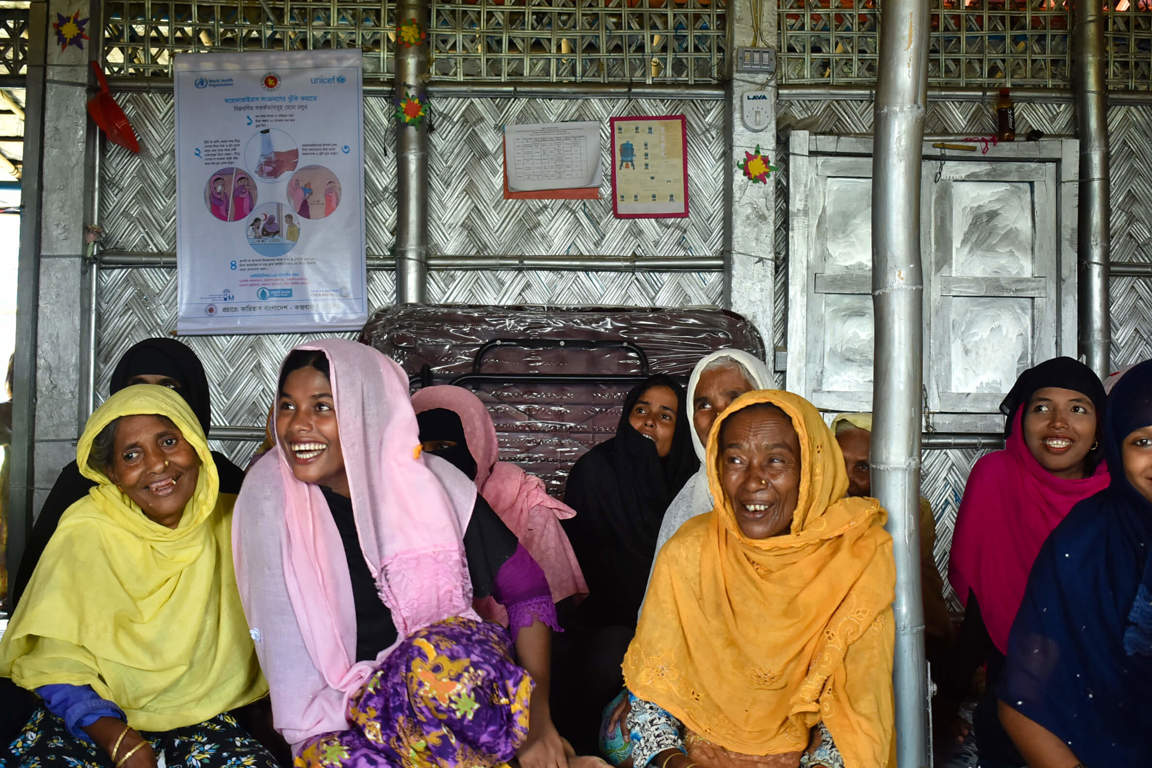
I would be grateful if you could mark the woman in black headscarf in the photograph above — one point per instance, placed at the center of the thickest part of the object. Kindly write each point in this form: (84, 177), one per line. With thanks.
(620, 490)
(161, 361)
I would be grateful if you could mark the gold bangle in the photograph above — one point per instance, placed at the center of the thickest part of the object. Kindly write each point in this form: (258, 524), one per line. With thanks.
(119, 741)
(663, 764)
(129, 753)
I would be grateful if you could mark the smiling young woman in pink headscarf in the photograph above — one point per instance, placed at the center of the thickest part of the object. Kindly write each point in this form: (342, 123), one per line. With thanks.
(357, 560)
(455, 425)
(1013, 500)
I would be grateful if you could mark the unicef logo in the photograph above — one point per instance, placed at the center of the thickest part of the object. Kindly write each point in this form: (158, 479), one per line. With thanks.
(201, 82)
(341, 79)
(262, 294)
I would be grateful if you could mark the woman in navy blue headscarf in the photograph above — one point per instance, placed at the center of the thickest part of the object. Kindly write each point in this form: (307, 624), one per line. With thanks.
(1079, 665)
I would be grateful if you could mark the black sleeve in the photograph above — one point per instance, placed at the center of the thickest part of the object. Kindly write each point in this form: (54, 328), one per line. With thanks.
(488, 544)
(231, 476)
(972, 648)
(70, 487)
(375, 628)
(582, 497)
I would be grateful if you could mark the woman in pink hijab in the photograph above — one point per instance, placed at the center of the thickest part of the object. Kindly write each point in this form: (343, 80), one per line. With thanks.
(358, 557)
(1014, 498)
(455, 425)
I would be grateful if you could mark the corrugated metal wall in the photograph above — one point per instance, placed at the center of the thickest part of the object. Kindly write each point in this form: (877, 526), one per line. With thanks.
(469, 218)
(137, 197)
(1129, 130)
(137, 201)
(946, 470)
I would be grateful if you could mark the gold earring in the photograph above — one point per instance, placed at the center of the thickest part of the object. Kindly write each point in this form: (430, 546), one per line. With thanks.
(1095, 445)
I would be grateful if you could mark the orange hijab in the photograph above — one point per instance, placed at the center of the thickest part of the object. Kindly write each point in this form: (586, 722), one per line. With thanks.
(749, 642)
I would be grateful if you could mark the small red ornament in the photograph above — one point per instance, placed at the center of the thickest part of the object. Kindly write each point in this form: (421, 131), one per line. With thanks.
(410, 110)
(756, 166)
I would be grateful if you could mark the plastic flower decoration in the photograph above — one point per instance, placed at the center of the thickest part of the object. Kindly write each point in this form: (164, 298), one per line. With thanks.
(410, 33)
(70, 30)
(410, 110)
(756, 166)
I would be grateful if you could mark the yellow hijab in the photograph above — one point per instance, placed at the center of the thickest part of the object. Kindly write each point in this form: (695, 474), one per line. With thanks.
(749, 642)
(146, 615)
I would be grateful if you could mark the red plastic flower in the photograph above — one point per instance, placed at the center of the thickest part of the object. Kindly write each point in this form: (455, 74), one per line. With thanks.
(410, 110)
(756, 166)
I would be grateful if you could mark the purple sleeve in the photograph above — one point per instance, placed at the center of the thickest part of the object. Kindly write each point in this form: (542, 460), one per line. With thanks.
(522, 589)
(78, 706)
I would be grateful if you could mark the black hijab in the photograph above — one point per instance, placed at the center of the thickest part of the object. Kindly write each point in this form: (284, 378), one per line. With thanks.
(167, 357)
(158, 357)
(620, 490)
(443, 424)
(1062, 372)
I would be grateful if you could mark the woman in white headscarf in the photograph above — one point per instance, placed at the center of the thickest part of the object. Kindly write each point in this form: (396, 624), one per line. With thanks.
(718, 379)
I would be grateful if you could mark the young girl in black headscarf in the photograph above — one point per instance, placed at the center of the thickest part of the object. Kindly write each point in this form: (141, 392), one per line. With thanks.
(620, 490)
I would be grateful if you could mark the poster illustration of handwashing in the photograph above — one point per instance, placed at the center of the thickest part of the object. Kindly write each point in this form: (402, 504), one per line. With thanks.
(270, 192)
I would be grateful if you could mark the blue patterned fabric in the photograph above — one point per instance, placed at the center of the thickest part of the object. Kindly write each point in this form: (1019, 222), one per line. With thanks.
(216, 743)
(1138, 634)
(652, 731)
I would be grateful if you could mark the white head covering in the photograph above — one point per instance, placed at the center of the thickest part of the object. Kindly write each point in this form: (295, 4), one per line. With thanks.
(694, 498)
(760, 378)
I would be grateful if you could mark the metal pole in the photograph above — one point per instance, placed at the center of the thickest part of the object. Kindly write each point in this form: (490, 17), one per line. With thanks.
(897, 295)
(21, 452)
(1094, 337)
(483, 89)
(113, 259)
(411, 247)
(91, 295)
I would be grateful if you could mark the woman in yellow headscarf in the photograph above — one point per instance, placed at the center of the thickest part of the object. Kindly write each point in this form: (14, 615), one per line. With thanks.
(131, 630)
(767, 635)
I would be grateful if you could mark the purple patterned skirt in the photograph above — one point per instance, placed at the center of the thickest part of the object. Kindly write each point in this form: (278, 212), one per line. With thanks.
(449, 695)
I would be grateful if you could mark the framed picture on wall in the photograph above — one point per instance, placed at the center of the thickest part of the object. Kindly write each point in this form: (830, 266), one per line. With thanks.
(649, 167)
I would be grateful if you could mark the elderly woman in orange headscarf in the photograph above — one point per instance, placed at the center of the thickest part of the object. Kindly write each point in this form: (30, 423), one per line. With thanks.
(767, 635)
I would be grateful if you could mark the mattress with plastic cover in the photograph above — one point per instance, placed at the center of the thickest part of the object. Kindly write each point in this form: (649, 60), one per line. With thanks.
(553, 378)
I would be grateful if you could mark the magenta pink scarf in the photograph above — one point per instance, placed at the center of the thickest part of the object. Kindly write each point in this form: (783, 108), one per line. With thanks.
(410, 521)
(517, 497)
(1010, 506)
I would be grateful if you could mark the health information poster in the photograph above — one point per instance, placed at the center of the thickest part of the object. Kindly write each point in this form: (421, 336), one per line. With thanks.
(270, 192)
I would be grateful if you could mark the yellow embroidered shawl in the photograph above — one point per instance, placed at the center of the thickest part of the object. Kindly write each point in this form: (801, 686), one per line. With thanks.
(749, 642)
(146, 615)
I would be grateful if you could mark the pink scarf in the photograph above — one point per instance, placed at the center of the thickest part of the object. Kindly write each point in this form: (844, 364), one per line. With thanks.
(1010, 506)
(410, 517)
(517, 497)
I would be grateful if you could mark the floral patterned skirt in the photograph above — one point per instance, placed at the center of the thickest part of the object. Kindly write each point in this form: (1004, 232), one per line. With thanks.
(448, 695)
(216, 743)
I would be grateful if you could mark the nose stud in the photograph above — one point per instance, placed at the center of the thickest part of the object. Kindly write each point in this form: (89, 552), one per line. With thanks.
(165, 463)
